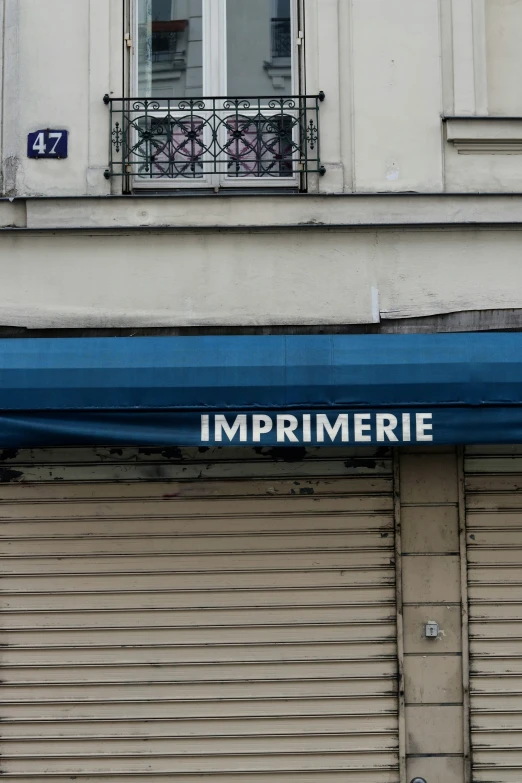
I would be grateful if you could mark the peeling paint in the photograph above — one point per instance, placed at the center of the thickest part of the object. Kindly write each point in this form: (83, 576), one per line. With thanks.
(11, 166)
(6, 454)
(171, 453)
(287, 453)
(392, 173)
(360, 463)
(7, 475)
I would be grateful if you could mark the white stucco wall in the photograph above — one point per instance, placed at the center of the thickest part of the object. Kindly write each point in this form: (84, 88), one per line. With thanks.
(504, 56)
(60, 58)
(295, 277)
(389, 69)
(397, 98)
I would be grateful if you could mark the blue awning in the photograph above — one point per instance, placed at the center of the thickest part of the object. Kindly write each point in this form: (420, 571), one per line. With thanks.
(157, 389)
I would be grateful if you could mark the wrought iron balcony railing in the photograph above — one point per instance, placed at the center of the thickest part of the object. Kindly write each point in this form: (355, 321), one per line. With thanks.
(196, 139)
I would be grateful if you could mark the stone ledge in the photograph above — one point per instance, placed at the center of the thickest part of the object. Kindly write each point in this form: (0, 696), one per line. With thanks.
(485, 135)
(257, 211)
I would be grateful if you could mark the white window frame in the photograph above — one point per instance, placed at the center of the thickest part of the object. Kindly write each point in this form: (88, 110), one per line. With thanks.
(214, 62)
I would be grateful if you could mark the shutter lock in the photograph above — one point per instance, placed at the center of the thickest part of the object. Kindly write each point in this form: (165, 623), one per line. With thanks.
(431, 630)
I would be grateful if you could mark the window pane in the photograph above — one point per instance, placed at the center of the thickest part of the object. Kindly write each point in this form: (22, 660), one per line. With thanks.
(170, 62)
(259, 47)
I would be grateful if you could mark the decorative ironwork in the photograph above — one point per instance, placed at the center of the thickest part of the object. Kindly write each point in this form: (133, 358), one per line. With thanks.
(192, 139)
(281, 38)
(117, 137)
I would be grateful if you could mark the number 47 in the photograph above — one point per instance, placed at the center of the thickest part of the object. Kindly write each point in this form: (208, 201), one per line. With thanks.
(40, 145)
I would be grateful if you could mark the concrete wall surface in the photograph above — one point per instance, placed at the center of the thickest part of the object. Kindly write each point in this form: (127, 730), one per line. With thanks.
(255, 278)
(437, 728)
(418, 214)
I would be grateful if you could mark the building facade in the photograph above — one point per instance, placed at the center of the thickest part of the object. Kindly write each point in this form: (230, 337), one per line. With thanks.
(260, 323)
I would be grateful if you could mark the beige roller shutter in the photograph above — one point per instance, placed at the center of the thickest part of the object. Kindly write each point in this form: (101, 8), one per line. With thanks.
(494, 547)
(200, 615)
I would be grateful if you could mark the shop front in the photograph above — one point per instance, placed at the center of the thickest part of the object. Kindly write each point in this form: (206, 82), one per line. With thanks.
(223, 558)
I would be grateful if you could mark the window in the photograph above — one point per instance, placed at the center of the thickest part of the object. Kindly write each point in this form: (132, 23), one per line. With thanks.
(170, 48)
(216, 80)
(217, 103)
(197, 48)
(281, 31)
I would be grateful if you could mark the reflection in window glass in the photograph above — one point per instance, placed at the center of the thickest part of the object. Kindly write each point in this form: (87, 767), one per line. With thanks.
(169, 48)
(259, 47)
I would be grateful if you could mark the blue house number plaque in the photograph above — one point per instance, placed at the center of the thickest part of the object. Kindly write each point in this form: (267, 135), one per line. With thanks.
(47, 144)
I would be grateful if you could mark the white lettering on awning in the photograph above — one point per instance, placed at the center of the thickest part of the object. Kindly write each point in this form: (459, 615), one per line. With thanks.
(317, 428)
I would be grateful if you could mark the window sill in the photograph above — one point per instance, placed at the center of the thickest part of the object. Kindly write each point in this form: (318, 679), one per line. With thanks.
(187, 192)
(298, 211)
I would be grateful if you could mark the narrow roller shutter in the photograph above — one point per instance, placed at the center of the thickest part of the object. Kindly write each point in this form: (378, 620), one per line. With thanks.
(494, 546)
(193, 615)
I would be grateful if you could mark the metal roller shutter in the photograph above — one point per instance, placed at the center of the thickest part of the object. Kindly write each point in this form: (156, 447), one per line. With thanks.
(198, 614)
(494, 547)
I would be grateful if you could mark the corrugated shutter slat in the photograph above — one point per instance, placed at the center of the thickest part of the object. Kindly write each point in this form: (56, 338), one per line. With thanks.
(494, 550)
(183, 615)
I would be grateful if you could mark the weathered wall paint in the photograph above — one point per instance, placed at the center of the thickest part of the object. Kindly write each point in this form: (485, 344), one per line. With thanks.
(389, 69)
(504, 56)
(254, 278)
(397, 76)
